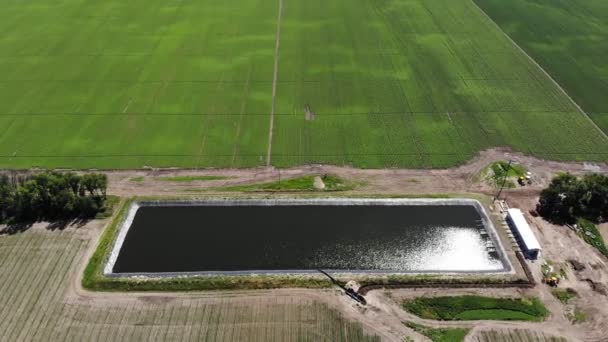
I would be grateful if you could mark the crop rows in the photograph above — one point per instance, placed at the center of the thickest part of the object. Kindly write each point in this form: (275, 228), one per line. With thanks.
(569, 39)
(115, 84)
(36, 268)
(514, 335)
(372, 83)
(417, 84)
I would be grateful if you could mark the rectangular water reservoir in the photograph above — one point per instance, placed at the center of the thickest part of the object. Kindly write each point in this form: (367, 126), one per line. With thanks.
(295, 236)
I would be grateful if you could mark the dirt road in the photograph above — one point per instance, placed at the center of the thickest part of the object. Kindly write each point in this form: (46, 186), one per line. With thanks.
(380, 181)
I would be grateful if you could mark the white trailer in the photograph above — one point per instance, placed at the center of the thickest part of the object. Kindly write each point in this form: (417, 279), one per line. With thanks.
(523, 233)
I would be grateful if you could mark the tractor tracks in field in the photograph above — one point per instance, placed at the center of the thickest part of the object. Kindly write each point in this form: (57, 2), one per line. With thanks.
(275, 76)
(235, 150)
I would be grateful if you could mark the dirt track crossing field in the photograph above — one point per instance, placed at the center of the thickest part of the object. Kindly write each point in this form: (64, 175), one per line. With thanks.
(275, 76)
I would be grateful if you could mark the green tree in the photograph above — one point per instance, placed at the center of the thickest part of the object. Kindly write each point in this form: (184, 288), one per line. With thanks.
(569, 197)
(51, 196)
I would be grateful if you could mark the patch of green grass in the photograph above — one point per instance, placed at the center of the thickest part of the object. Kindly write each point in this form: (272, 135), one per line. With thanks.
(93, 272)
(564, 295)
(418, 84)
(440, 334)
(576, 316)
(589, 232)
(109, 206)
(138, 179)
(477, 308)
(568, 39)
(301, 184)
(502, 167)
(432, 280)
(500, 172)
(187, 179)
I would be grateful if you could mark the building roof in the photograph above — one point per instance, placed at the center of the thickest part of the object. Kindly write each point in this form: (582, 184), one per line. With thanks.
(525, 232)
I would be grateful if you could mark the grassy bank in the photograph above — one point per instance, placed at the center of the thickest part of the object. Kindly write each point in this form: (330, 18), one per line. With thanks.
(564, 295)
(439, 334)
(109, 206)
(500, 173)
(589, 232)
(94, 279)
(300, 184)
(501, 168)
(477, 308)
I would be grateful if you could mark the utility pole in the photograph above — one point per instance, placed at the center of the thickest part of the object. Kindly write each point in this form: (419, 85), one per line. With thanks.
(504, 180)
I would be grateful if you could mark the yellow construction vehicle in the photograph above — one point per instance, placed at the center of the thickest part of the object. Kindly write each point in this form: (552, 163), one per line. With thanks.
(550, 277)
(551, 281)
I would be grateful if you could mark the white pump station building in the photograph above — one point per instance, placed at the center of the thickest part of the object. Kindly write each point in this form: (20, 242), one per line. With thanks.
(523, 233)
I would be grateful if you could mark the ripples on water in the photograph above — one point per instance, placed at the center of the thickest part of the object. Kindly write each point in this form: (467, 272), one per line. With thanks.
(240, 238)
(444, 249)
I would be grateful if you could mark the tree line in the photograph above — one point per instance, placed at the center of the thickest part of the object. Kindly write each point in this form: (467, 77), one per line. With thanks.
(569, 197)
(51, 196)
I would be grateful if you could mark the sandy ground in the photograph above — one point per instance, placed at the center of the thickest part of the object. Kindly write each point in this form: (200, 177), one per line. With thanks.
(384, 181)
(604, 230)
(383, 315)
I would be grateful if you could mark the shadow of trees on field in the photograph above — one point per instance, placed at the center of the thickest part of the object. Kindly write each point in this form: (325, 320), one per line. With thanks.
(58, 225)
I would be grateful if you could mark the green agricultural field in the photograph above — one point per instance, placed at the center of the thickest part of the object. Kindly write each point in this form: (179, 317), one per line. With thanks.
(115, 84)
(372, 83)
(569, 39)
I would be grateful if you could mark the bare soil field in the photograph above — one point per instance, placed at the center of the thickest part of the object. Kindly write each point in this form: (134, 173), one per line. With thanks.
(508, 335)
(41, 297)
(41, 301)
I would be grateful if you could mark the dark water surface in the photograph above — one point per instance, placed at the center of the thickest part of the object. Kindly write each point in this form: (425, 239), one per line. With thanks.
(303, 237)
